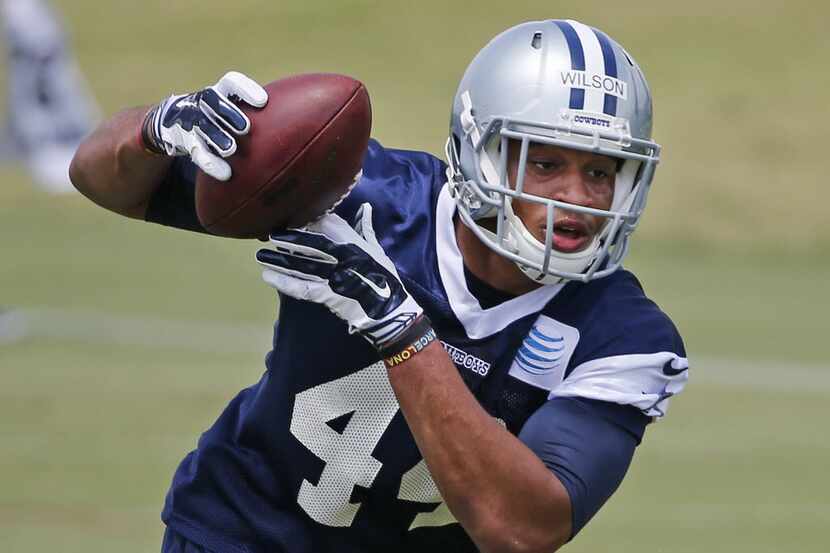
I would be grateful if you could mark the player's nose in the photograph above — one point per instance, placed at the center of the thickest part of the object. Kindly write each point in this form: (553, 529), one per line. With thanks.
(574, 189)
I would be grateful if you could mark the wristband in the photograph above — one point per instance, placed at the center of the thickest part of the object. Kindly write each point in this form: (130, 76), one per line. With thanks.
(146, 134)
(414, 340)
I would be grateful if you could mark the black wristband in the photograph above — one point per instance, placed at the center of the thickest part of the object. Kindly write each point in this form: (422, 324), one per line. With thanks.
(148, 138)
(412, 341)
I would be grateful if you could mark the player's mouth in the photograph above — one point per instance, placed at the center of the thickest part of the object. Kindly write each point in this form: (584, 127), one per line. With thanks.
(571, 234)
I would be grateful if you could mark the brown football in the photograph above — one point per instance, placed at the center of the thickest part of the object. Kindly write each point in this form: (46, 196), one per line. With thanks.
(299, 159)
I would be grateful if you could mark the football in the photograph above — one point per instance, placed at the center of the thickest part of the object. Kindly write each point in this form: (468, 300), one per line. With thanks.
(299, 159)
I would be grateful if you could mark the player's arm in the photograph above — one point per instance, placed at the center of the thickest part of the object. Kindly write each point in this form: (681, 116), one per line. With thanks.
(498, 489)
(114, 169)
(122, 164)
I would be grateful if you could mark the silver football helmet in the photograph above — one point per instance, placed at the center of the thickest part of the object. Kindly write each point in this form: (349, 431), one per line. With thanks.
(561, 83)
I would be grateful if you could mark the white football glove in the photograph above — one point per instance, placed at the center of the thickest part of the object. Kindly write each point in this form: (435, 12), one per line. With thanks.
(344, 268)
(200, 124)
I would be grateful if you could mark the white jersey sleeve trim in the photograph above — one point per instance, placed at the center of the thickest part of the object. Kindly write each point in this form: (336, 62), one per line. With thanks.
(645, 381)
(477, 322)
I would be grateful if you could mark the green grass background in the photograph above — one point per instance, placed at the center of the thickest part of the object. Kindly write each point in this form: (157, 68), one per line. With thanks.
(735, 246)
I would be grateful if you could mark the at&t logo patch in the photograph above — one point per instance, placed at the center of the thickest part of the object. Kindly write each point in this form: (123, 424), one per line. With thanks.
(545, 352)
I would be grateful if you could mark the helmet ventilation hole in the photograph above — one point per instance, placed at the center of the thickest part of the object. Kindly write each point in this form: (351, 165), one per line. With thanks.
(537, 40)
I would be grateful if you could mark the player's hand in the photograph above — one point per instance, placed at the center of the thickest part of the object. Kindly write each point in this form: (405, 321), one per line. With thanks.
(202, 124)
(344, 268)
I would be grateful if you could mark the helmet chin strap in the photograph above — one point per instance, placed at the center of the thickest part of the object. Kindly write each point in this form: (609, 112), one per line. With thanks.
(532, 249)
(520, 241)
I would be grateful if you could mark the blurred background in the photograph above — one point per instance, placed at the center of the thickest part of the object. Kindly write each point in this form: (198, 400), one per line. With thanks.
(121, 341)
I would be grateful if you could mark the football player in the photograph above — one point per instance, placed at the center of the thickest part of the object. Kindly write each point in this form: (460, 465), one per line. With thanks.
(460, 361)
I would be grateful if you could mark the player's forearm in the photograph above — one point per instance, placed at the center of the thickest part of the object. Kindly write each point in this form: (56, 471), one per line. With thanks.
(112, 168)
(498, 489)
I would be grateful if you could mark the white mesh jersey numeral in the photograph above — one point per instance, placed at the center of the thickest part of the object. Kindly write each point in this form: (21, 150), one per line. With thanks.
(366, 394)
(417, 485)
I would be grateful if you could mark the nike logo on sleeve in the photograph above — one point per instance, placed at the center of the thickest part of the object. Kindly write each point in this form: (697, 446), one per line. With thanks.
(669, 370)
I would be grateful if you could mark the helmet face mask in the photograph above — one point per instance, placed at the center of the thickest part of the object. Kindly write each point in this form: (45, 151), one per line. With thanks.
(518, 88)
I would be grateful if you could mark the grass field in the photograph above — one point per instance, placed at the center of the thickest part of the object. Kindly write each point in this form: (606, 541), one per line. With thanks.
(136, 336)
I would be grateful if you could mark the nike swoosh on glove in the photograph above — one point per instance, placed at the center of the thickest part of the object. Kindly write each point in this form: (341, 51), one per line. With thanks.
(344, 268)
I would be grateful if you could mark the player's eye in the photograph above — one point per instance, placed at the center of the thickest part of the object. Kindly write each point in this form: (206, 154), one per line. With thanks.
(544, 164)
(600, 174)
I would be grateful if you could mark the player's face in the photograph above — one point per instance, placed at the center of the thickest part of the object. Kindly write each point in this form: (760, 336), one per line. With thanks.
(579, 178)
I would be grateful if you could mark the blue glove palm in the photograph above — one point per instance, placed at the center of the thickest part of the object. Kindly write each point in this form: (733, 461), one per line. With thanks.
(345, 269)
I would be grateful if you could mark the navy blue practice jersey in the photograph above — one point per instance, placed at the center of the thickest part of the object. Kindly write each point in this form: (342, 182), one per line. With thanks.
(317, 457)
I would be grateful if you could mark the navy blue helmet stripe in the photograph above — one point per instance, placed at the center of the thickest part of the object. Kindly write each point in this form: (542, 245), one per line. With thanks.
(577, 100)
(610, 105)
